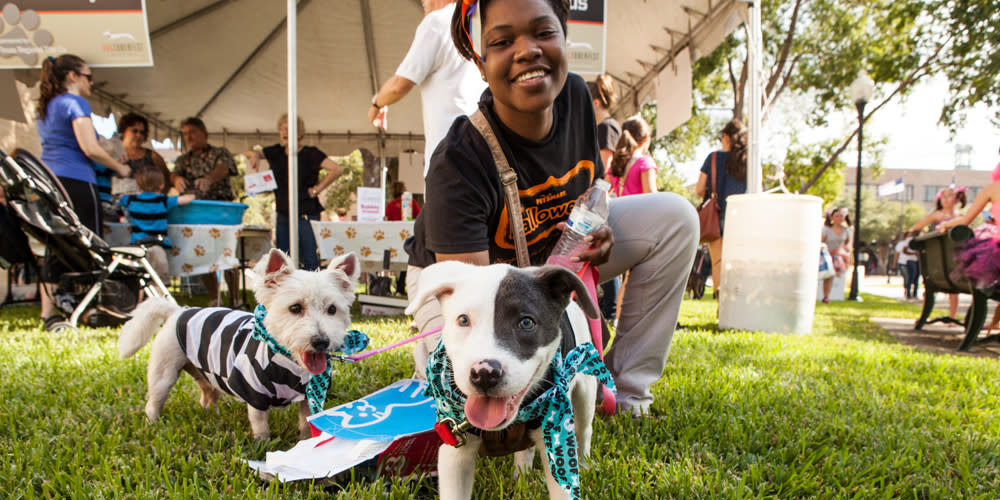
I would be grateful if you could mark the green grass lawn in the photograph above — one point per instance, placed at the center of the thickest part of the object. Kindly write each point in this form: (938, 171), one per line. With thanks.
(846, 412)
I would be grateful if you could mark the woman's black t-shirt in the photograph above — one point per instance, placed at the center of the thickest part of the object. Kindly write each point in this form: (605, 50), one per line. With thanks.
(310, 159)
(465, 209)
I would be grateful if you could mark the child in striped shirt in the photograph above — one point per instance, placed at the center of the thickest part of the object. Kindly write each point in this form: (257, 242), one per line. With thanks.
(147, 214)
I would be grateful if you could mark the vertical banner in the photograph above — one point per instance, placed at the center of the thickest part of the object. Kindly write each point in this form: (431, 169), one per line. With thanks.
(585, 37)
(105, 33)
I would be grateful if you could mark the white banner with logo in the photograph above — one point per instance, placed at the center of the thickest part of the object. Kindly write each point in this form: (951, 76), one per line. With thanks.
(105, 33)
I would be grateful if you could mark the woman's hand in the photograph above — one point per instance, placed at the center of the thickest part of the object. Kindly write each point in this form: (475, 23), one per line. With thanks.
(312, 192)
(601, 241)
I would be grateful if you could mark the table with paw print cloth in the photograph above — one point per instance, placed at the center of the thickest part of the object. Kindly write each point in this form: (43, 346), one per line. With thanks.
(196, 248)
(369, 240)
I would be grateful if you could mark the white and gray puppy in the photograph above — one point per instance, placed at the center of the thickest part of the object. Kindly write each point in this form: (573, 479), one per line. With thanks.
(502, 328)
(308, 313)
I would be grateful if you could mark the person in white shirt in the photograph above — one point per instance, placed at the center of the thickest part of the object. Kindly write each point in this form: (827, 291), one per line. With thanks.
(450, 86)
(909, 266)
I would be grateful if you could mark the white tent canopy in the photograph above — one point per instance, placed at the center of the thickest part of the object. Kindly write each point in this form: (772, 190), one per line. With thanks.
(225, 61)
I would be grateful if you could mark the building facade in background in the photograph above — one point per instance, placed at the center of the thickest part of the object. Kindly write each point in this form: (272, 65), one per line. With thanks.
(921, 184)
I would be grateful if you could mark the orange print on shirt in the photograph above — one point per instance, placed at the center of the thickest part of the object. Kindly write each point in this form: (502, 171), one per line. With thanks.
(551, 203)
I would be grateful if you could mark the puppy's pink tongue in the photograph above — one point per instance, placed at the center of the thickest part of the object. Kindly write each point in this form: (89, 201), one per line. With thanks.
(315, 362)
(487, 413)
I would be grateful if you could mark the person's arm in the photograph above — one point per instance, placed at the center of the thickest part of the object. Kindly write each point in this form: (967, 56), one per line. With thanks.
(184, 199)
(922, 223)
(333, 171)
(978, 205)
(606, 156)
(481, 258)
(395, 89)
(253, 158)
(702, 185)
(220, 172)
(86, 137)
(649, 181)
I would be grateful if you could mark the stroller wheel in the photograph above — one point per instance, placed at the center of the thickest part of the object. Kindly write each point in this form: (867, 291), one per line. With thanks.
(57, 323)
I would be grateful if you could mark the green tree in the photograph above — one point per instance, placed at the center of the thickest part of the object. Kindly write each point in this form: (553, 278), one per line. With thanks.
(341, 193)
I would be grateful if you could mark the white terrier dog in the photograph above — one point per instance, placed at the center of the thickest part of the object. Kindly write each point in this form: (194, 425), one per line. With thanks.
(508, 356)
(268, 359)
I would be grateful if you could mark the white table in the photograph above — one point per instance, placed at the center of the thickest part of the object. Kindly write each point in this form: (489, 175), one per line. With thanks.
(367, 239)
(196, 248)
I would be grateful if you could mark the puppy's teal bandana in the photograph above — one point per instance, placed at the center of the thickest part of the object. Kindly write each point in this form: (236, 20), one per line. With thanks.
(318, 384)
(553, 406)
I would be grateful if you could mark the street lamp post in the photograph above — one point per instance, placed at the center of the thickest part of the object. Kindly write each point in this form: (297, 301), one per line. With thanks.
(861, 91)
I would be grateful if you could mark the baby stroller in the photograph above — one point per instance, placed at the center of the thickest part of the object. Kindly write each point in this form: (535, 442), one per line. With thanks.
(103, 286)
(700, 272)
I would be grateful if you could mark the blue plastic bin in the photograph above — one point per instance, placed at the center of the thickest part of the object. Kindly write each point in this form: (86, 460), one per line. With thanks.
(224, 213)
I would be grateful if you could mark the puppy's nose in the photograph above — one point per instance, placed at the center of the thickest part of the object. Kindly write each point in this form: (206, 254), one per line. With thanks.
(320, 344)
(486, 374)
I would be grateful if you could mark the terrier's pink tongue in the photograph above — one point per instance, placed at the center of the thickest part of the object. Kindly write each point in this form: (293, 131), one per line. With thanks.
(486, 413)
(315, 362)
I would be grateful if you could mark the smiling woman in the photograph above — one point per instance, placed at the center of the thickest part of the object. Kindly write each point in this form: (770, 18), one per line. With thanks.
(544, 121)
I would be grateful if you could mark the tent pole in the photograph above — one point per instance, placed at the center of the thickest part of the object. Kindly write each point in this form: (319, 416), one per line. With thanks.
(754, 177)
(293, 139)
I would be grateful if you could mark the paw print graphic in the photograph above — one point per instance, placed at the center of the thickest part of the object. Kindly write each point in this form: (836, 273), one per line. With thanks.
(403, 234)
(338, 250)
(325, 233)
(379, 235)
(365, 251)
(227, 252)
(213, 269)
(351, 233)
(392, 253)
(175, 252)
(199, 250)
(214, 233)
(187, 232)
(187, 268)
(16, 40)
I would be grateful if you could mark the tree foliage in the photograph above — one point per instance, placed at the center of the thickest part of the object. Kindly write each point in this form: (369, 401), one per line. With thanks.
(972, 61)
(880, 217)
(341, 193)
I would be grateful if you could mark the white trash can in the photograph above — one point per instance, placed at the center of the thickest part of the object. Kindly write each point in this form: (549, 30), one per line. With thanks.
(770, 262)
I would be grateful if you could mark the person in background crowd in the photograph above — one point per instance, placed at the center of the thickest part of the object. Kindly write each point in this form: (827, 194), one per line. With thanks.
(147, 214)
(838, 235)
(540, 114)
(204, 171)
(945, 201)
(632, 170)
(394, 209)
(449, 85)
(311, 162)
(908, 264)
(70, 149)
(603, 97)
(730, 178)
(134, 131)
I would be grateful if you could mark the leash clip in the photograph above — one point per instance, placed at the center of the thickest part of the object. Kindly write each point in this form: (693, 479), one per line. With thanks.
(450, 433)
(341, 358)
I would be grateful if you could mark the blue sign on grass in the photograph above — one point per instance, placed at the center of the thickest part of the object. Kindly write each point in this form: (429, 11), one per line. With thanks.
(398, 410)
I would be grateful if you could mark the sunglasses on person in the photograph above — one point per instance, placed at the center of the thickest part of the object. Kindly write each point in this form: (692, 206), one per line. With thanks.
(88, 76)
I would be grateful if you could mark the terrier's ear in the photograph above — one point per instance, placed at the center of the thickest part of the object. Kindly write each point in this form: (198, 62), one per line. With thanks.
(350, 266)
(274, 267)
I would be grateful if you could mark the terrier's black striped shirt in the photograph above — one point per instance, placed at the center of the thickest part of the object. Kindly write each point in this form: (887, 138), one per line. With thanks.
(218, 342)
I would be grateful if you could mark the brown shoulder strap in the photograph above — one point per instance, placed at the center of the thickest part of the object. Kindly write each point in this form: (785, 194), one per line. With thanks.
(714, 185)
(509, 180)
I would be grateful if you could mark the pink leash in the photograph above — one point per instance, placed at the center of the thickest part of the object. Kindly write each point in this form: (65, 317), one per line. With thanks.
(367, 354)
(608, 404)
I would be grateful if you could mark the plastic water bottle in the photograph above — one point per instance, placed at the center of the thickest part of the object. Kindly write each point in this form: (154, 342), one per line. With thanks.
(406, 205)
(589, 213)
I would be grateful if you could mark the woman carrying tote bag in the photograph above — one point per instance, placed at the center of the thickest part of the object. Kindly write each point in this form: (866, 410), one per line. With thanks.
(731, 178)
